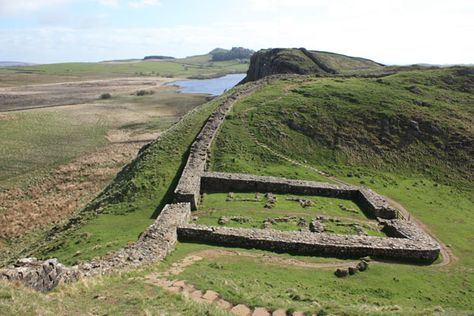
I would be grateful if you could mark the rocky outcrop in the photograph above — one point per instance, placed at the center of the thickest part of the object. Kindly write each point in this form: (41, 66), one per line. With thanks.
(301, 61)
(280, 61)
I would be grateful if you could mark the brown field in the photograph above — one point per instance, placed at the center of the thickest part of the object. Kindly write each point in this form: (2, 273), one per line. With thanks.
(48, 172)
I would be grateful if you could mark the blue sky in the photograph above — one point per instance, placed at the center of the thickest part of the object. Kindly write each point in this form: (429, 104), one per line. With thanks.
(388, 31)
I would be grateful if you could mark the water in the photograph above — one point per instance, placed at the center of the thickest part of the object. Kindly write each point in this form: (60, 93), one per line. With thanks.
(216, 86)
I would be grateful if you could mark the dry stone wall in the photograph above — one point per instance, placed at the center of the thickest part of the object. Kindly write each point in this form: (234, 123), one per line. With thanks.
(42, 276)
(373, 204)
(153, 245)
(189, 185)
(308, 243)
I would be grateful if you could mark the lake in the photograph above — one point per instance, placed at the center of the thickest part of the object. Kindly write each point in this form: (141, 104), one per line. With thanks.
(215, 86)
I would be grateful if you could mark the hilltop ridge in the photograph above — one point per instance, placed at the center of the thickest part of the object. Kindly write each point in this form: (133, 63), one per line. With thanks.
(304, 62)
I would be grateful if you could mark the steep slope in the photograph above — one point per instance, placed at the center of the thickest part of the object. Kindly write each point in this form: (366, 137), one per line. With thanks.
(414, 121)
(302, 61)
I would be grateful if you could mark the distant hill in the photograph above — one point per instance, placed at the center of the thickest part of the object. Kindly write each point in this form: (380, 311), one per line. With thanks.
(157, 57)
(220, 54)
(14, 64)
(302, 61)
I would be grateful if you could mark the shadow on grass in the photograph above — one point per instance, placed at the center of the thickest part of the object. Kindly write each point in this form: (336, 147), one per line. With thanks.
(168, 197)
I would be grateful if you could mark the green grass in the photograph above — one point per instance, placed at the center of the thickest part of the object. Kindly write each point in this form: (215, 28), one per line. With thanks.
(186, 67)
(383, 289)
(215, 206)
(118, 294)
(355, 122)
(32, 143)
(127, 207)
(346, 64)
(358, 129)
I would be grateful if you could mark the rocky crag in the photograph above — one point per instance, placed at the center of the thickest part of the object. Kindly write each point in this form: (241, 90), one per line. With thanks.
(301, 61)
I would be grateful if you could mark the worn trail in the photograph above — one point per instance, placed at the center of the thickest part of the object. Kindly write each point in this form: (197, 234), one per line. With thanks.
(162, 279)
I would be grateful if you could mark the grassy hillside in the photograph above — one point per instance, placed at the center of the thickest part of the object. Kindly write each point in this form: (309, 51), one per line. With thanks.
(409, 136)
(133, 200)
(418, 121)
(343, 63)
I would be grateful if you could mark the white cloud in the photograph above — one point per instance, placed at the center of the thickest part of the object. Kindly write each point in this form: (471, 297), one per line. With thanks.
(278, 4)
(143, 3)
(21, 7)
(402, 31)
(110, 3)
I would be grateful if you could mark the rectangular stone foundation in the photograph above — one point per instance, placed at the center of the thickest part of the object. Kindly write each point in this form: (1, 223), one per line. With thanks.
(372, 204)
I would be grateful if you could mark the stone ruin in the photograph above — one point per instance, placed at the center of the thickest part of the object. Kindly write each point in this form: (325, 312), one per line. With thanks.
(406, 240)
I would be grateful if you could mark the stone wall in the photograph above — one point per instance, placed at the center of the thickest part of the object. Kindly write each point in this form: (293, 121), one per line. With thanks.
(153, 245)
(307, 243)
(189, 185)
(373, 204)
(40, 275)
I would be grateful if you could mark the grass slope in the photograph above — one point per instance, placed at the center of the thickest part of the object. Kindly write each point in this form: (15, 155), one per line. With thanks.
(407, 136)
(33, 143)
(136, 196)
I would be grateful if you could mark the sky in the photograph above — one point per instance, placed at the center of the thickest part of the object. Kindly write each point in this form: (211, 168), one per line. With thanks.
(387, 31)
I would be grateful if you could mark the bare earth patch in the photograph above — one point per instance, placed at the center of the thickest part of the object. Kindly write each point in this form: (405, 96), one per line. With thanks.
(6, 117)
(23, 97)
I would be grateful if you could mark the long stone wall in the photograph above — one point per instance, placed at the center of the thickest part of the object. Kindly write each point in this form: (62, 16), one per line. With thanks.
(307, 243)
(189, 185)
(373, 204)
(42, 276)
(153, 245)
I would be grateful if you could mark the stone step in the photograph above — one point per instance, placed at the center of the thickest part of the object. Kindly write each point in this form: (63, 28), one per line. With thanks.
(261, 311)
(241, 310)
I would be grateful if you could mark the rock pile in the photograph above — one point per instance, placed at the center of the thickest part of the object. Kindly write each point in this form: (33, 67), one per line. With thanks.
(361, 266)
(316, 226)
(271, 200)
(40, 275)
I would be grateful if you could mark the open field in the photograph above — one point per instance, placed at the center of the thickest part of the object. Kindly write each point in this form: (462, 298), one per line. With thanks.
(196, 66)
(60, 155)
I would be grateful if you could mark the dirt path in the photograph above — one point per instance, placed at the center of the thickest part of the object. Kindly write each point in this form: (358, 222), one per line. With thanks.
(211, 297)
(446, 254)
